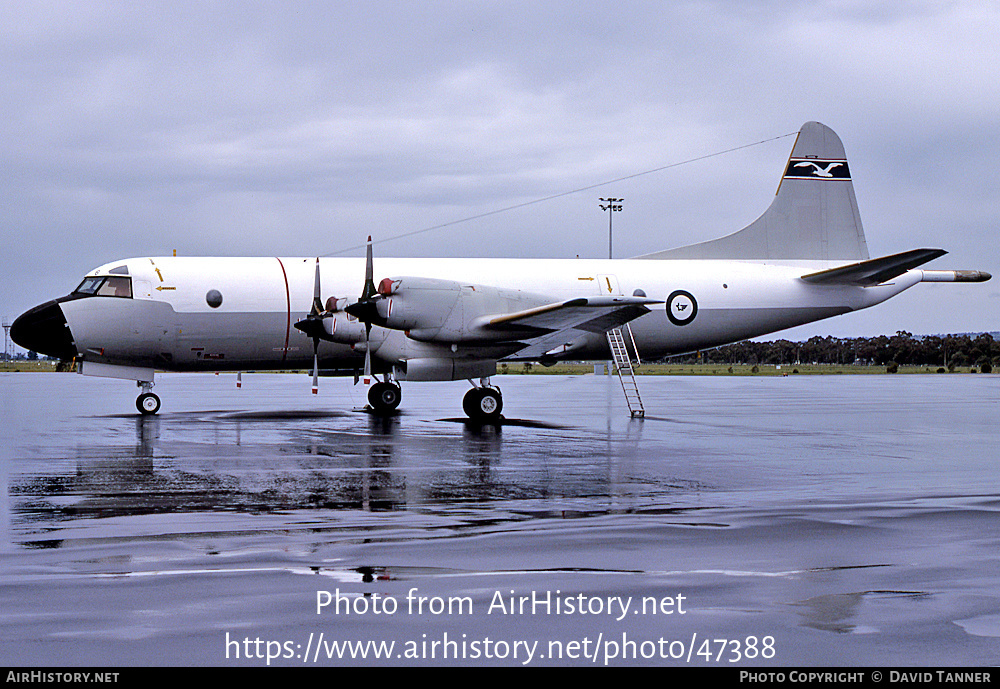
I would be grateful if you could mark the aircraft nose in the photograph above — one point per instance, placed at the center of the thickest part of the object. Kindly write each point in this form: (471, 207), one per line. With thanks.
(43, 329)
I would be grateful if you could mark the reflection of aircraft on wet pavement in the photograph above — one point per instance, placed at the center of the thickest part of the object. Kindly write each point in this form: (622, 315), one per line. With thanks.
(804, 259)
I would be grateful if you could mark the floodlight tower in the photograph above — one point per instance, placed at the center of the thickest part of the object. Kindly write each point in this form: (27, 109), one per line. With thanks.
(6, 340)
(611, 205)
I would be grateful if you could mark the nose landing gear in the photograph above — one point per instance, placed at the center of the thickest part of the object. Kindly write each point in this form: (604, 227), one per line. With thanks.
(147, 403)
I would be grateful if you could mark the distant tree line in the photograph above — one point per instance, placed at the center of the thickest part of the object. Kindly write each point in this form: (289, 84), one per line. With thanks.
(20, 356)
(946, 351)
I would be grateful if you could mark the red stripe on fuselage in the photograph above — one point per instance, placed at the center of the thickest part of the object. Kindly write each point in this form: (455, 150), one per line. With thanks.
(288, 302)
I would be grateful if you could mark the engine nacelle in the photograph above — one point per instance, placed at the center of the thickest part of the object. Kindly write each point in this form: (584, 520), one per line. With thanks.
(343, 329)
(445, 311)
(417, 303)
(445, 369)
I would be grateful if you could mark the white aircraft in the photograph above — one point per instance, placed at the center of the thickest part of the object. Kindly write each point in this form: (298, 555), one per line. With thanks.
(803, 260)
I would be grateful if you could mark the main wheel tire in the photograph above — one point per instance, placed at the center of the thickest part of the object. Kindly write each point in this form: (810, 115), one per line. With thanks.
(483, 404)
(147, 403)
(384, 397)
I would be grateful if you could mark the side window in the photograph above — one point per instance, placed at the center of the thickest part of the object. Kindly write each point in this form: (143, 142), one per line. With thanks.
(116, 287)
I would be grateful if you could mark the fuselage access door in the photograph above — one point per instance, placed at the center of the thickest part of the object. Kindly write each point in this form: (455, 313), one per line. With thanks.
(607, 285)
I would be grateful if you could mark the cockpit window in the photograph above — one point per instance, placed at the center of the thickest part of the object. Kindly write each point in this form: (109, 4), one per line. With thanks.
(106, 287)
(89, 286)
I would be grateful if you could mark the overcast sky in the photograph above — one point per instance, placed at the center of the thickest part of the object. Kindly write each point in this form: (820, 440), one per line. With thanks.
(293, 128)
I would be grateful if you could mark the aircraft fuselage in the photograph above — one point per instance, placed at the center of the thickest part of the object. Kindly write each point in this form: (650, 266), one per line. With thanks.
(170, 323)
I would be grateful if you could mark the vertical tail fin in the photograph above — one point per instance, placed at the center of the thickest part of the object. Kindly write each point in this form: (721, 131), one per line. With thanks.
(814, 215)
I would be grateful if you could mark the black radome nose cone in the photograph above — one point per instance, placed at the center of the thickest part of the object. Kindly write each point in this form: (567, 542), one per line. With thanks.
(43, 329)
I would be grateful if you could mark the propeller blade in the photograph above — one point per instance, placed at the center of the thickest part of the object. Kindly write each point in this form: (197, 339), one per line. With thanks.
(315, 387)
(365, 309)
(369, 290)
(368, 354)
(317, 303)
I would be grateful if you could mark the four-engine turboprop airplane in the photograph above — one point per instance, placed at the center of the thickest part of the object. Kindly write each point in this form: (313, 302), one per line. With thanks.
(804, 259)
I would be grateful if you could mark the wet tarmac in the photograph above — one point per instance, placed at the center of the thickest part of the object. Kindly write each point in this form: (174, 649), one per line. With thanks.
(835, 520)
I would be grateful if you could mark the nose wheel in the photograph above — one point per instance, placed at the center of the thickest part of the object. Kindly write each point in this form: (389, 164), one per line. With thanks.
(147, 403)
(483, 404)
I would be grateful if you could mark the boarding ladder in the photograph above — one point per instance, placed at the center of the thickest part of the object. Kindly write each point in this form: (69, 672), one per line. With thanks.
(625, 369)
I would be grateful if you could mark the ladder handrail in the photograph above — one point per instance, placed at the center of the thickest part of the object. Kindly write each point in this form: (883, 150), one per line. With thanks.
(638, 362)
(623, 366)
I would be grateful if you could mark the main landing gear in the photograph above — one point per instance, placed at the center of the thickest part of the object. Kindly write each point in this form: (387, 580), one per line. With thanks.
(147, 403)
(385, 397)
(483, 404)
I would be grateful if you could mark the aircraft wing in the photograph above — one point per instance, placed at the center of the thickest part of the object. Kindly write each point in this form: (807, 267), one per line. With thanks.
(593, 314)
(562, 325)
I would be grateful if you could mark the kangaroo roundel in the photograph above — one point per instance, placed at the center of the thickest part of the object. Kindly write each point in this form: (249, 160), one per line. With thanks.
(681, 307)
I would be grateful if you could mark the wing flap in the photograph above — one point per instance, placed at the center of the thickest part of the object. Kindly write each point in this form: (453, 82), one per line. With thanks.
(567, 324)
(592, 314)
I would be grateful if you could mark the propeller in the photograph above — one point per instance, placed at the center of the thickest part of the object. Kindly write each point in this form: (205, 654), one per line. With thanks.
(312, 325)
(365, 309)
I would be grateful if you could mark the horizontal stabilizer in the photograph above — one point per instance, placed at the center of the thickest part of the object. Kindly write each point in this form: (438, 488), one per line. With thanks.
(874, 271)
